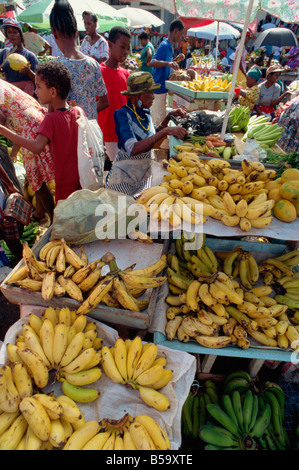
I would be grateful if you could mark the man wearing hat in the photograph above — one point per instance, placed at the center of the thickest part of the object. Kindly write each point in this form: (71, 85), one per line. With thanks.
(131, 170)
(250, 95)
(25, 78)
(270, 92)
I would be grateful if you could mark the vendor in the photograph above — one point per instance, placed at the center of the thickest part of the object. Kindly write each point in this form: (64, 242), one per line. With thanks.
(250, 95)
(131, 170)
(24, 79)
(270, 92)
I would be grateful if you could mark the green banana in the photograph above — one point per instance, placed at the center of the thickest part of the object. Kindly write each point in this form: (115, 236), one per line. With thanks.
(187, 413)
(215, 410)
(262, 421)
(254, 413)
(238, 383)
(207, 398)
(237, 405)
(79, 394)
(202, 411)
(274, 438)
(276, 417)
(228, 408)
(269, 441)
(218, 436)
(211, 391)
(195, 416)
(279, 393)
(236, 374)
(179, 248)
(247, 408)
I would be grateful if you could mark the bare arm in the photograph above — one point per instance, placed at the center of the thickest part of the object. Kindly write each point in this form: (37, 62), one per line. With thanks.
(33, 145)
(163, 63)
(149, 55)
(102, 103)
(145, 144)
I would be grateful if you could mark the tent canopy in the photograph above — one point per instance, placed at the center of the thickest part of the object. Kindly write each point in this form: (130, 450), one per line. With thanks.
(214, 29)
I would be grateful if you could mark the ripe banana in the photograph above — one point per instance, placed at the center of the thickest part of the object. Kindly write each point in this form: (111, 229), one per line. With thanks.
(71, 411)
(71, 256)
(50, 404)
(34, 363)
(81, 362)
(71, 288)
(22, 380)
(85, 377)
(36, 417)
(153, 398)
(110, 367)
(81, 436)
(96, 296)
(146, 360)
(11, 438)
(140, 436)
(9, 395)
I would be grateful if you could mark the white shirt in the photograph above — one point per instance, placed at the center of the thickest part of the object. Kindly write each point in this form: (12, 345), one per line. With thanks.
(56, 52)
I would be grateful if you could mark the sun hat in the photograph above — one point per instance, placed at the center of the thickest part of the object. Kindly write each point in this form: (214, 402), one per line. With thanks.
(10, 22)
(140, 82)
(255, 73)
(273, 69)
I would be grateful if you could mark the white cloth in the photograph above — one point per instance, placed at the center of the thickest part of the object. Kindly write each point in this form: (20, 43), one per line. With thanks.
(158, 110)
(99, 50)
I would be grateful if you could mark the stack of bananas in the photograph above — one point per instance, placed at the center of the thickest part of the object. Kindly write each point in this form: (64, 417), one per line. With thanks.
(60, 271)
(128, 433)
(33, 421)
(207, 83)
(59, 343)
(137, 365)
(194, 190)
(239, 262)
(210, 306)
(246, 418)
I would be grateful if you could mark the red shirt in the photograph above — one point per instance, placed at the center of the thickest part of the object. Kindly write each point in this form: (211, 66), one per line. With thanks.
(115, 81)
(61, 128)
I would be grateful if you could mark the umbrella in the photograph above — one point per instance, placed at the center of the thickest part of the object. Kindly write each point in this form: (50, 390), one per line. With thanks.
(38, 14)
(276, 37)
(211, 31)
(139, 18)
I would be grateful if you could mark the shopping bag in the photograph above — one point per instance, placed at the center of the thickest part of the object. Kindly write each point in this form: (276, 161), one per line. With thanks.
(91, 153)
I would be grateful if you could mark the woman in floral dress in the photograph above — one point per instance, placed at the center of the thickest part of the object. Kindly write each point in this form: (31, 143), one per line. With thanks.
(23, 114)
(288, 118)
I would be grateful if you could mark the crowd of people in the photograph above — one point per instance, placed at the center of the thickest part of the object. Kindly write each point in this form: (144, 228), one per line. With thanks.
(40, 105)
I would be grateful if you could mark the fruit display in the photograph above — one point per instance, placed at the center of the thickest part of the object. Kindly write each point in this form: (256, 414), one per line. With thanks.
(239, 118)
(266, 133)
(138, 366)
(285, 192)
(29, 235)
(217, 299)
(238, 414)
(59, 270)
(207, 83)
(208, 145)
(194, 190)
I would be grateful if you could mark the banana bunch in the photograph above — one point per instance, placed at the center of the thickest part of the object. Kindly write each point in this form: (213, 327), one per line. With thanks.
(236, 197)
(279, 268)
(138, 365)
(214, 309)
(43, 422)
(239, 262)
(59, 341)
(128, 433)
(194, 413)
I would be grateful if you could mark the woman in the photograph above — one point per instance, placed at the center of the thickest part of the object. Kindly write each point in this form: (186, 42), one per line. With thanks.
(87, 79)
(147, 53)
(293, 58)
(270, 92)
(23, 114)
(25, 78)
(131, 169)
(288, 118)
(250, 95)
(93, 45)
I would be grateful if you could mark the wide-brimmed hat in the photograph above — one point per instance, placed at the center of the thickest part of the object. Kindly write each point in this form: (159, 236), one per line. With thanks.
(273, 69)
(10, 22)
(140, 82)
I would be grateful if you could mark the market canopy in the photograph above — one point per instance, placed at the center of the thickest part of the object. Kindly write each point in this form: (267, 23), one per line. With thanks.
(230, 10)
(140, 18)
(211, 31)
(38, 14)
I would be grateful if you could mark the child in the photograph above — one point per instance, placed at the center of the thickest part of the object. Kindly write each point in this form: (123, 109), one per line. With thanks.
(59, 128)
(115, 78)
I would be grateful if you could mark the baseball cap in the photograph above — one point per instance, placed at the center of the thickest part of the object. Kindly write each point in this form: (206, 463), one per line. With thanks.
(140, 82)
(273, 69)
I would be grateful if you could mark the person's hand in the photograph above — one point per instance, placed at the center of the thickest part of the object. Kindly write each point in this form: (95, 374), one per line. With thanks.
(180, 57)
(177, 131)
(174, 65)
(26, 70)
(177, 112)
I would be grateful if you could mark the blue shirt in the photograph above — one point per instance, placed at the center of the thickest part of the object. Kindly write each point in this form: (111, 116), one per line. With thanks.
(10, 74)
(165, 52)
(129, 129)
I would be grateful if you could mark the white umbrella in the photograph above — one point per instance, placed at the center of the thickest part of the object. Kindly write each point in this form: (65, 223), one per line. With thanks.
(139, 18)
(213, 30)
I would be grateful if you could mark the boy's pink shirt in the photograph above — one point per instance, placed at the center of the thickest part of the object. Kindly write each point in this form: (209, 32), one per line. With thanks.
(115, 81)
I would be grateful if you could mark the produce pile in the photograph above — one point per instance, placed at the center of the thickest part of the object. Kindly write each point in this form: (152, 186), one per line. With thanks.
(62, 346)
(195, 189)
(207, 145)
(207, 83)
(238, 414)
(59, 270)
(217, 298)
(29, 235)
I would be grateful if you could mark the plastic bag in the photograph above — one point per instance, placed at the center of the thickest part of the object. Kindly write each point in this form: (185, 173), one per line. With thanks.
(86, 216)
(91, 153)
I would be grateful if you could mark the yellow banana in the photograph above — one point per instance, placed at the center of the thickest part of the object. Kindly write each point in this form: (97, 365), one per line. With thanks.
(81, 436)
(80, 362)
(71, 411)
(35, 322)
(120, 357)
(110, 367)
(11, 438)
(133, 355)
(37, 367)
(141, 437)
(85, 377)
(46, 248)
(9, 395)
(205, 296)
(145, 361)
(52, 256)
(150, 375)
(154, 398)
(57, 434)
(96, 296)
(156, 432)
(60, 342)
(98, 441)
(82, 273)
(71, 288)
(73, 349)
(148, 193)
(22, 380)
(50, 404)
(36, 417)
(123, 295)
(213, 342)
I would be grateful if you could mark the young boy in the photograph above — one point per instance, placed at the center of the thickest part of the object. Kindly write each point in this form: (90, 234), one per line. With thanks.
(115, 78)
(59, 128)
